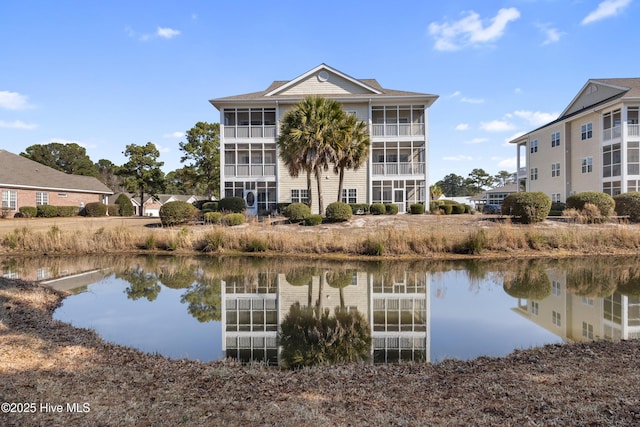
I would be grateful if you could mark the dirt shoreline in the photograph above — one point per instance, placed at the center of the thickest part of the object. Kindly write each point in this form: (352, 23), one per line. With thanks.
(48, 363)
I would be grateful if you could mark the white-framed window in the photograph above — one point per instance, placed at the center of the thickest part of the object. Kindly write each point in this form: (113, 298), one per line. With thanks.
(611, 160)
(42, 198)
(586, 131)
(300, 195)
(534, 146)
(555, 288)
(587, 330)
(633, 158)
(9, 199)
(534, 307)
(555, 197)
(612, 188)
(349, 195)
(587, 164)
(555, 139)
(555, 169)
(534, 174)
(556, 318)
(588, 301)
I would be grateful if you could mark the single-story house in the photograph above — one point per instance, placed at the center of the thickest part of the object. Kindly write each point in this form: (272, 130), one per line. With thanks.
(24, 182)
(494, 196)
(152, 204)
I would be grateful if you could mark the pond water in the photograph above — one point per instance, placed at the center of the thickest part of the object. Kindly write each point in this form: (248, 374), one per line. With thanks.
(208, 308)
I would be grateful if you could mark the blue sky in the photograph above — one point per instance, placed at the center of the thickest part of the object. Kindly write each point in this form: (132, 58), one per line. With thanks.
(105, 74)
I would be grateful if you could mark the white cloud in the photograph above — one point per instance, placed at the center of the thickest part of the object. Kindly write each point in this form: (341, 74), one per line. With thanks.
(476, 141)
(173, 135)
(517, 91)
(17, 124)
(167, 33)
(458, 158)
(536, 118)
(462, 126)
(496, 126)
(472, 100)
(470, 30)
(606, 9)
(552, 35)
(13, 101)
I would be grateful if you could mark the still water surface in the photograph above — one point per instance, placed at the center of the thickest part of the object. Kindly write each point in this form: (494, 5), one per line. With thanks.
(209, 309)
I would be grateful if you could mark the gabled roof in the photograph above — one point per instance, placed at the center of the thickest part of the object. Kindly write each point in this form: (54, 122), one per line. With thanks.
(321, 80)
(19, 172)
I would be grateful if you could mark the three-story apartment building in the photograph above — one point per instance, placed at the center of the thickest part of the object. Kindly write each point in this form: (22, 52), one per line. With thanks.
(593, 146)
(396, 171)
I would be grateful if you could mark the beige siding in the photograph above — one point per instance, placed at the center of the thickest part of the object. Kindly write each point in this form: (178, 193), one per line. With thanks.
(335, 85)
(587, 148)
(545, 158)
(590, 97)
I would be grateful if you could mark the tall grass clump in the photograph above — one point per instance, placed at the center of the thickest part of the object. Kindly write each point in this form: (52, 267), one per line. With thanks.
(476, 242)
(604, 202)
(213, 241)
(372, 246)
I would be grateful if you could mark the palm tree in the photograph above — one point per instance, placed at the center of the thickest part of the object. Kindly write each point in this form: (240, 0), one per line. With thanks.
(309, 138)
(354, 148)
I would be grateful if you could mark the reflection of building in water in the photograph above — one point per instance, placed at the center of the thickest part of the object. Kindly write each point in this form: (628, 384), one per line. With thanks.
(400, 317)
(396, 308)
(579, 318)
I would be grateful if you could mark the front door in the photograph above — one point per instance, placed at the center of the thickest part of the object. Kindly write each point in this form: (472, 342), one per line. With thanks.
(398, 199)
(252, 202)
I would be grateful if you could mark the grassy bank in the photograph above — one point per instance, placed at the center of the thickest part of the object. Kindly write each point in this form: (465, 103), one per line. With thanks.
(398, 236)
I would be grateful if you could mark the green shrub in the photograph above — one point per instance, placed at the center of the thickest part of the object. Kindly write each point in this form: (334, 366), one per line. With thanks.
(467, 209)
(377, 209)
(67, 211)
(359, 208)
(28, 211)
(232, 204)
(177, 212)
(313, 219)
(257, 245)
(391, 209)
(372, 246)
(416, 208)
(627, 204)
(213, 217)
(457, 209)
(46, 211)
(232, 219)
(209, 206)
(527, 207)
(113, 210)
(434, 206)
(297, 212)
(95, 209)
(446, 208)
(338, 211)
(125, 206)
(603, 201)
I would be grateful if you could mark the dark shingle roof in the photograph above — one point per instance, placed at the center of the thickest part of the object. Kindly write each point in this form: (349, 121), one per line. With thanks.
(19, 172)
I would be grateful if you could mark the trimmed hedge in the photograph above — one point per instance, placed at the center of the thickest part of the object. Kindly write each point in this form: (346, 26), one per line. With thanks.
(434, 206)
(28, 211)
(233, 219)
(359, 208)
(338, 211)
(416, 208)
(213, 217)
(297, 212)
(390, 209)
(527, 207)
(46, 211)
(446, 208)
(603, 201)
(178, 212)
(232, 204)
(208, 206)
(125, 205)
(628, 204)
(313, 219)
(377, 209)
(457, 209)
(95, 209)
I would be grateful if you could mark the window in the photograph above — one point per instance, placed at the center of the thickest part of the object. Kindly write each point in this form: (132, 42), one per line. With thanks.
(555, 197)
(42, 198)
(611, 188)
(611, 159)
(534, 146)
(534, 174)
(300, 196)
(349, 195)
(588, 301)
(555, 288)
(587, 164)
(586, 131)
(9, 199)
(534, 307)
(633, 158)
(587, 330)
(555, 139)
(555, 169)
(556, 318)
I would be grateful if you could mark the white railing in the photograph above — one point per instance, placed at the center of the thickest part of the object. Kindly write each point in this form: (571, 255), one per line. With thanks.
(268, 131)
(402, 129)
(633, 130)
(249, 170)
(397, 169)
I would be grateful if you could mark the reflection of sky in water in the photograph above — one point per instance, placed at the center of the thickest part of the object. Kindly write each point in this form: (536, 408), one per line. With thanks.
(467, 320)
(162, 326)
(470, 322)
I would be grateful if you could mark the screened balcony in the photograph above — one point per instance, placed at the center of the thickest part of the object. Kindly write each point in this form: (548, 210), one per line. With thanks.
(249, 122)
(613, 128)
(249, 160)
(403, 120)
(398, 158)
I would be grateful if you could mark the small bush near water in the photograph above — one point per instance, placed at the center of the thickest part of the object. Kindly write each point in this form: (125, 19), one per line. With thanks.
(338, 212)
(232, 204)
(178, 212)
(233, 219)
(527, 207)
(602, 201)
(297, 212)
(416, 208)
(628, 204)
(313, 220)
(377, 209)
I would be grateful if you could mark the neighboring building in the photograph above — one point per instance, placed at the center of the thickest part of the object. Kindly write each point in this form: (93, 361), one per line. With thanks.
(593, 146)
(24, 182)
(152, 204)
(398, 126)
(494, 196)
